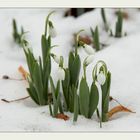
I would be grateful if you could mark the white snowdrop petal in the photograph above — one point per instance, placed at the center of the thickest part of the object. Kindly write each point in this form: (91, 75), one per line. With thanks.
(56, 59)
(23, 37)
(89, 50)
(89, 59)
(52, 32)
(101, 78)
(61, 74)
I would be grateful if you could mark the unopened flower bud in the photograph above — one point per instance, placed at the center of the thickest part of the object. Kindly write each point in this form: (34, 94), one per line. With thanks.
(101, 78)
(61, 73)
(52, 32)
(56, 59)
(88, 49)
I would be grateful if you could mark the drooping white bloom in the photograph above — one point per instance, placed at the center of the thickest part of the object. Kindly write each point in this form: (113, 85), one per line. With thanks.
(52, 32)
(101, 78)
(88, 49)
(23, 37)
(61, 73)
(56, 59)
(88, 60)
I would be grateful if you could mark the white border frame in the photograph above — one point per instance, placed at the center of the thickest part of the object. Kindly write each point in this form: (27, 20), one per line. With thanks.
(70, 3)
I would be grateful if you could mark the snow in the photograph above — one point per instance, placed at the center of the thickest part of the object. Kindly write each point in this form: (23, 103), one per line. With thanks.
(122, 58)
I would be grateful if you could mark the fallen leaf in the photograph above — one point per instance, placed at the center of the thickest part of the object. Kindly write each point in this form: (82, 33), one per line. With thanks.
(117, 109)
(23, 72)
(85, 39)
(62, 116)
(124, 14)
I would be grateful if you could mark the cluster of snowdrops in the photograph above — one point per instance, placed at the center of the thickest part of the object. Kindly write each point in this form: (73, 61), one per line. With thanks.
(76, 96)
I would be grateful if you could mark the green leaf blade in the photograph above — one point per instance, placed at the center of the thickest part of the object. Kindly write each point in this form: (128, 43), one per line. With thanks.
(94, 99)
(84, 98)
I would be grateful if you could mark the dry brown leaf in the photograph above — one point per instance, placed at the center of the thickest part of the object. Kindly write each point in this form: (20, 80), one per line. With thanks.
(117, 109)
(23, 72)
(85, 39)
(62, 116)
(124, 14)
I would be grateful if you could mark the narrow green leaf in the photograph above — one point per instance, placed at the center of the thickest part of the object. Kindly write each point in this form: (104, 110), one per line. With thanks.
(93, 99)
(96, 39)
(119, 25)
(38, 83)
(33, 95)
(15, 32)
(84, 98)
(52, 85)
(104, 19)
(60, 106)
(50, 109)
(105, 97)
(65, 87)
(92, 33)
(71, 59)
(44, 48)
(57, 89)
(71, 99)
(103, 15)
(76, 107)
(75, 70)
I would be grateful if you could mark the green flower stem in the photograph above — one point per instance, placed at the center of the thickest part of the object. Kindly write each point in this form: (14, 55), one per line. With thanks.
(99, 116)
(61, 61)
(77, 41)
(84, 69)
(104, 19)
(47, 22)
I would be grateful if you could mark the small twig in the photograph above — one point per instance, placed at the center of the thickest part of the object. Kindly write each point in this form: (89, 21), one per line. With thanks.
(16, 79)
(111, 98)
(6, 77)
(7, 101)
(104, 45)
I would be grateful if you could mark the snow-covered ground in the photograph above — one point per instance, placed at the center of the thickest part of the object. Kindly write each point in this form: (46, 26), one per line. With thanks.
(122, 57)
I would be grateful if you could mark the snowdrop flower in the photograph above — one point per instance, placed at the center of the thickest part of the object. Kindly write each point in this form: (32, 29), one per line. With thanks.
(52, 32)
(61, 73)
(56, 59)
(101, 78)
(88, 60)
(23, 36)
(88, 49)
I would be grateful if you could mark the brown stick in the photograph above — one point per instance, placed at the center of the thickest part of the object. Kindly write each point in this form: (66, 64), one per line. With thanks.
(20, 99)
(6, 77)
(112, 99)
